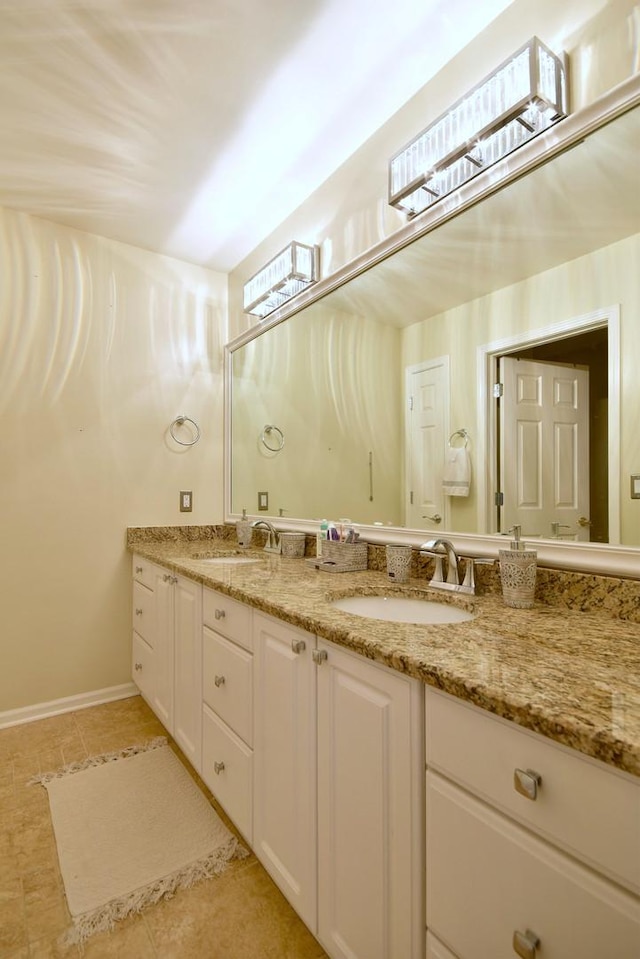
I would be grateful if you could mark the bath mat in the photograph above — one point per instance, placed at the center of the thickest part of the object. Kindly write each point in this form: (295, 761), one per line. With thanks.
(131, 828)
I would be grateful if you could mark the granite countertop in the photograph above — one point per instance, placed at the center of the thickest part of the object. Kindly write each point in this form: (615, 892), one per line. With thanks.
(569, 675)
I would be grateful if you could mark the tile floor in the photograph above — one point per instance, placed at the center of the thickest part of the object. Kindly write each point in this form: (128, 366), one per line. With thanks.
(240, 915)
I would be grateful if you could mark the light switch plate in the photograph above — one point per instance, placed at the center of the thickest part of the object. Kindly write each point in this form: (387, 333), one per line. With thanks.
(186, 500)
(635, 486)
(263, 501)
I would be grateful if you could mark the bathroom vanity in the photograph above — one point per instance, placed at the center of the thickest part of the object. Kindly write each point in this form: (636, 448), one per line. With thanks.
(459, 791)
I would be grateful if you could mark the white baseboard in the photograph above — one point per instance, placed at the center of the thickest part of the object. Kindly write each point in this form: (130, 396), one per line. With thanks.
(28, 714)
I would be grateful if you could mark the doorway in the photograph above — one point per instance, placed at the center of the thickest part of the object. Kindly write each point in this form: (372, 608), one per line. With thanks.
(590, 343)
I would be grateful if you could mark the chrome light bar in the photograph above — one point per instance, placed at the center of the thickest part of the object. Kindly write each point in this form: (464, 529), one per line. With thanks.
(291, 271)
(522, 97)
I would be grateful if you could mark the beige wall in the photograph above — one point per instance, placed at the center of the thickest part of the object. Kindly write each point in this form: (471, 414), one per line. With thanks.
(332, 418)
(350, 213)
(101, 346)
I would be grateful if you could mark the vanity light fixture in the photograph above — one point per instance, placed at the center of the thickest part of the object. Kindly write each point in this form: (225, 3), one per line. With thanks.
(287, 274)
(524, 96)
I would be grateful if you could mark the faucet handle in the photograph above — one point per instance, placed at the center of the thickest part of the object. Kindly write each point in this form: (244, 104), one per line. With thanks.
(470, 569)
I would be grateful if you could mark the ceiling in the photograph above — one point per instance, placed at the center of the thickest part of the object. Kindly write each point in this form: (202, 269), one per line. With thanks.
(194, 127)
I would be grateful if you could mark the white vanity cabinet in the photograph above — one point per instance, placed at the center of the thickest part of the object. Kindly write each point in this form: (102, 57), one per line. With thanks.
(532, 848)
(284, 832)
(168, 669)
(339, 792)
(370, 808)
(227, 706)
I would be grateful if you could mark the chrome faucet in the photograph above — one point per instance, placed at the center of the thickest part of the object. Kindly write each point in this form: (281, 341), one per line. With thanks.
(439, 548)
(272, 544)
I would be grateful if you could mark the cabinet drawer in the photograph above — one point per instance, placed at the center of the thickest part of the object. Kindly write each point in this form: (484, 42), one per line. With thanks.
(142, 666)
(144, 612)
(228, 683)
(228, 617)
(227, 769)
(589, 809)
(143, 571)
(488, 878)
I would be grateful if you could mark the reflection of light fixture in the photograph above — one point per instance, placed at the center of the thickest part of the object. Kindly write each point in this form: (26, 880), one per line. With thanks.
(524, 96)
(288, 273)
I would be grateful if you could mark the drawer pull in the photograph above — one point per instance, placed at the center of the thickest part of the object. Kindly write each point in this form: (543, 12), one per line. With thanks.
(298, 645)
(218, 768)
(138, 667)
(138, 611)
(319, 656)
(219, 614)
(138, 569)
(219, 680)
(525, 944)
(526, 782)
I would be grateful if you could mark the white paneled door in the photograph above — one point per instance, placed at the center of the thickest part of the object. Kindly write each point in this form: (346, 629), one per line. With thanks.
(544, 448)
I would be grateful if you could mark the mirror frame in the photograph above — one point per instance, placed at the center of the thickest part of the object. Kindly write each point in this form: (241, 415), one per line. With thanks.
(599, 558)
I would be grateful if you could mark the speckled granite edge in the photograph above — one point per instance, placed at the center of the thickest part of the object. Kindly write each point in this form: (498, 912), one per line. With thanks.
(571, 675)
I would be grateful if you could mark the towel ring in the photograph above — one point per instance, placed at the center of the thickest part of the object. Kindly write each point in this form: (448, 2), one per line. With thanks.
(279, 440)
(179, 421)
(461, 433)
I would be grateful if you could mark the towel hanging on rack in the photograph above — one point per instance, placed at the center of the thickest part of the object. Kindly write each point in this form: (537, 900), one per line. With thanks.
(456, 476)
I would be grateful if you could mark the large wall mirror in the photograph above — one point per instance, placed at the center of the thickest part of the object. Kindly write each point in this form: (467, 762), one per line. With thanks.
(364, 396)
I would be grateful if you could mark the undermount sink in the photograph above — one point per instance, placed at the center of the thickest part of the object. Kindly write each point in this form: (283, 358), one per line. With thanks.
(225, 560)
(401, 609)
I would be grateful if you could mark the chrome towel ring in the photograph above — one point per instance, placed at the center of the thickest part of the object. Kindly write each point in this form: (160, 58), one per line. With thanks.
(463, 434)
(180, 421)
(277, 440)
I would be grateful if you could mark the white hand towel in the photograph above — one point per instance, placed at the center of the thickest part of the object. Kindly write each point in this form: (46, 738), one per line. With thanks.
(456, 477)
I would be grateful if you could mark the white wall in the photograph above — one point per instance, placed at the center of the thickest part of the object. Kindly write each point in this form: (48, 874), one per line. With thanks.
(101, 346)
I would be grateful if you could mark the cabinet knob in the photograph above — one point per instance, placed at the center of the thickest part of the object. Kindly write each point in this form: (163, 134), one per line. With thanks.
(219, 680)
(298, 645)
(167, 578)
(219, 614)
(525, 944)
(526, 782)
(218, 768)
(319, 656)
(138, 611)
(138, 667)
(138, 569)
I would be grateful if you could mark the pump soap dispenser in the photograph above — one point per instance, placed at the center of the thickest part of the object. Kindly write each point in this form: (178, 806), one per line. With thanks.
(244, 530)
(518, 567)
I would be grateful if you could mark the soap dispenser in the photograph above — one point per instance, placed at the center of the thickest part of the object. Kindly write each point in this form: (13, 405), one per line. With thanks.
(518, 568)
(244, 530)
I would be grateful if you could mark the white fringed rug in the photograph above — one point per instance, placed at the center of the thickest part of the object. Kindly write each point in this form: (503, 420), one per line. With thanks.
(131, 828)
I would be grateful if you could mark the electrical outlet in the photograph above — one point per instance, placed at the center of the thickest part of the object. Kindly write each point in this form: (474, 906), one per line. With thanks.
(186, 500)
(263, 501)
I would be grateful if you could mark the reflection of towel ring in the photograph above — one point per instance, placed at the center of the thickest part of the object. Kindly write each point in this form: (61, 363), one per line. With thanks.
(279, 441)
(179, 420)
(462, 433)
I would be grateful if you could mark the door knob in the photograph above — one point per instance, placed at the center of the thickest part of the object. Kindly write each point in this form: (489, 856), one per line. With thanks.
(583, 521)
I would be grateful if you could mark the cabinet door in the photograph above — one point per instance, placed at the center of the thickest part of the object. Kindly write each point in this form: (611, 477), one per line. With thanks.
(284, 833)
(142, 671)
(162, 696)
(370, 776)
(187, 659)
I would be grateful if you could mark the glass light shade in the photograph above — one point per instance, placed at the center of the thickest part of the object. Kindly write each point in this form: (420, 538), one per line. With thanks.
(291, 271)
(522, 97)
